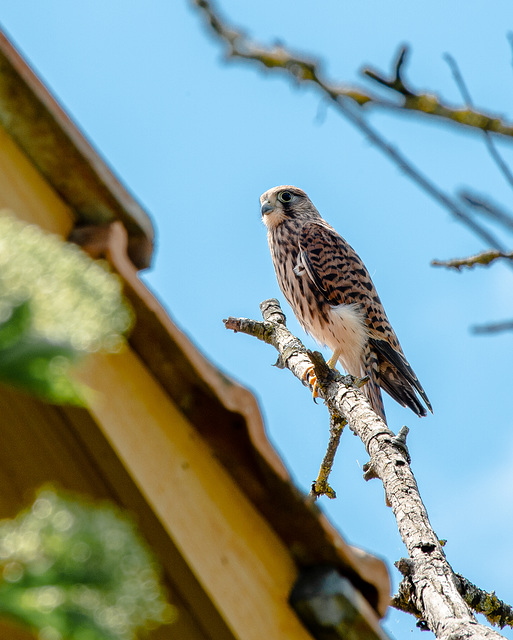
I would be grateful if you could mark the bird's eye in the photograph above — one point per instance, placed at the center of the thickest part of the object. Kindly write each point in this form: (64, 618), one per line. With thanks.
(285, 196)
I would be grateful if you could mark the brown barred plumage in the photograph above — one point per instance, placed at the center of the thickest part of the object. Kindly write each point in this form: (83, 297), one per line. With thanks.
(334, 298)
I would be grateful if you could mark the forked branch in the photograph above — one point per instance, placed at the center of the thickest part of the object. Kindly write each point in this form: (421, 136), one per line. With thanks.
(432, 587)
(307, 69)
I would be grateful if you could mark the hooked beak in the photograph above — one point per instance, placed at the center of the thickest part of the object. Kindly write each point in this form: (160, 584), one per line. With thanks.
(267, 207)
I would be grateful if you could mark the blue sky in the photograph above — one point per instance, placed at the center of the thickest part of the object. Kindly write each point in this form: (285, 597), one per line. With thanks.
(197, 141)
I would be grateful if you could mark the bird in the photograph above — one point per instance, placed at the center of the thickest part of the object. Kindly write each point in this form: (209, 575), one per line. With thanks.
(334, 299)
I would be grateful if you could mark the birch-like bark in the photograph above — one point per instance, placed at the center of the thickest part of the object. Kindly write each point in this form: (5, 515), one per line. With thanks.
(429, 580)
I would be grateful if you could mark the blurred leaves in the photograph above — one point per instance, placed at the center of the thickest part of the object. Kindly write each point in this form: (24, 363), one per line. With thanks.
(55, 305)
(68, 569)
(76, 571)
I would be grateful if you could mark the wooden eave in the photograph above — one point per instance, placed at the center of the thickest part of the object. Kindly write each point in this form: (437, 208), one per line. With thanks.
(167, 435)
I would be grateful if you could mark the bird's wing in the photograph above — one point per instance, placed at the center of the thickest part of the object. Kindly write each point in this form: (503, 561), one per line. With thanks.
(341, 277)
(334, 267)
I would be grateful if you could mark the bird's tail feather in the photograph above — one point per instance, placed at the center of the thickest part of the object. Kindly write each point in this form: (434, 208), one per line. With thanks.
(372, 389)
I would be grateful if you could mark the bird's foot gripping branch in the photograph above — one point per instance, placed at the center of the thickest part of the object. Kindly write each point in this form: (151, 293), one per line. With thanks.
(345, 402)
(430, 588)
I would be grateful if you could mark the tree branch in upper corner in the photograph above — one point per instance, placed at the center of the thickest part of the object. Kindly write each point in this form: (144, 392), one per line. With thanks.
(307, 69)
(432, 587)
(304, 69)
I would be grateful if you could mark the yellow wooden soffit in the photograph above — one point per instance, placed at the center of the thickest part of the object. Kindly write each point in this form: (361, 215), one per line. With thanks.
(60, 152)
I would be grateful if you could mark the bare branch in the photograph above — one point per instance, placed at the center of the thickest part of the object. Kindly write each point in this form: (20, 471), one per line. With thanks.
(509, 36)
(395, 82)
(497, 327)
(429, 104)
(484, 258)
(481, 205)
(458, 79)
(492, 149)
(434, 587)
(306, 69)
(321, 486)
(498, 159)
(486, 208)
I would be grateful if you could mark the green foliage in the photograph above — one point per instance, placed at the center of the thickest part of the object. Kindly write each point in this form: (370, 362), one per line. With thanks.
(74, 571)
(55, 305)
(69, 570)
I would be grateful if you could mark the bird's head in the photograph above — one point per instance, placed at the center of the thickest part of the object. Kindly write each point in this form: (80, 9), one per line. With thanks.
(285, 202)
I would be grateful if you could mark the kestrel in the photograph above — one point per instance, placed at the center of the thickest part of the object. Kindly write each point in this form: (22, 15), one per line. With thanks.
(334, 299)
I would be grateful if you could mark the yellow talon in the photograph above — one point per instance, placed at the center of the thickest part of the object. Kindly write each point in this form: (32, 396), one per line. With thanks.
(310, 377)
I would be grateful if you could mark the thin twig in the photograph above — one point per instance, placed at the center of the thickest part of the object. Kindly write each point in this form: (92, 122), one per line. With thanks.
(458, 78)
(424, 103)
(498, 159)
(414, 173)
(395, 82)
(321, 486)
(492, 149)
(486, 208)
(484, 258)
(497, 327)
(509, 36)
